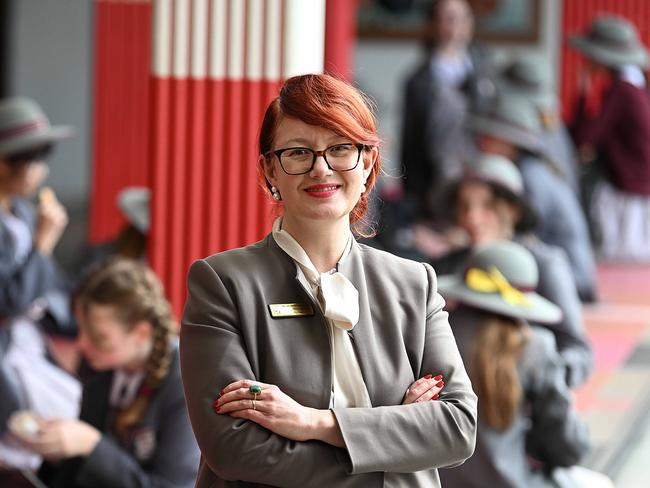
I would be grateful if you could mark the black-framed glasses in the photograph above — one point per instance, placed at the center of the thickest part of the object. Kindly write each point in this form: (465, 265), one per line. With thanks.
(301, 160)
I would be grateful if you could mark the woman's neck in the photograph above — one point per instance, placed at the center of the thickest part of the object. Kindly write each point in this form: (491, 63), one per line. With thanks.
(324, 241)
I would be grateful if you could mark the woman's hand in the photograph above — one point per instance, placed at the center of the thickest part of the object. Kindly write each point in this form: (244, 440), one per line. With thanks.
(62, 439)
(425, 389)
(272, 409)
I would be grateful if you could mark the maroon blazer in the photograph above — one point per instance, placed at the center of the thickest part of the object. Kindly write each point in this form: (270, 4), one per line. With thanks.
(622, 131)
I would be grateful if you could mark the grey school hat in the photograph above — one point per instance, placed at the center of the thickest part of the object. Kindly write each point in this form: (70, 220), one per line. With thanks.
(612, 41)
(133, 201)
(502, 173)
(513, 119)
(24, 126)
(528, 77)
(501, 278)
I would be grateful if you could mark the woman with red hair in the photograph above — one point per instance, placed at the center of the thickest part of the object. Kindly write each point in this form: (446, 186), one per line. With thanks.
(309, 359)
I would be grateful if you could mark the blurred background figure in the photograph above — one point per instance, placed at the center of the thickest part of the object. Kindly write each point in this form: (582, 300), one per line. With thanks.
(133, 429)
(529, 78)
(490, 205)
(33, 294)
(512, 129)
(525, 408)
(619, 133)
(131, 241)
(451, 81)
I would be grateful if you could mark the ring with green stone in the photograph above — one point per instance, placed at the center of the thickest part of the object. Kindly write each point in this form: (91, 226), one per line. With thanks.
(255, 390)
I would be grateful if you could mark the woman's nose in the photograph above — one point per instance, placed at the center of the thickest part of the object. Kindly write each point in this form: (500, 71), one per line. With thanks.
(320, 168)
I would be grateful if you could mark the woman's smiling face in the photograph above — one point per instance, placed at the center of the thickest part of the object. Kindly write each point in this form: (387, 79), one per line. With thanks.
(322, 193)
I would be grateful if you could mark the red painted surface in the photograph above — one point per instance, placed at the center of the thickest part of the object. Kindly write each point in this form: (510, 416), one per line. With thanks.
(340, 34)
(576, 18)
(192, 141)
(158, 250)
(121, 109)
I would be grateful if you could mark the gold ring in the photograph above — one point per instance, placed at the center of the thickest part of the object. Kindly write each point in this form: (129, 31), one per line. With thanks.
(253, 402)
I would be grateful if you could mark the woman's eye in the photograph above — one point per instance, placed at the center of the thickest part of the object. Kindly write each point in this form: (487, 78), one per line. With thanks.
(341, 150)
(296, 153)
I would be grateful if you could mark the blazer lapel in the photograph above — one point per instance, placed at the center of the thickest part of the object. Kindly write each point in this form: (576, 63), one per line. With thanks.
(95, 405)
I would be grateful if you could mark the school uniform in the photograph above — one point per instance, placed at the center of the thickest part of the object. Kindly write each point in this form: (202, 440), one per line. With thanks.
(159, 451)
(33, 300)
(545, 427)
(557, 285)
(561, 220)
(229, 332)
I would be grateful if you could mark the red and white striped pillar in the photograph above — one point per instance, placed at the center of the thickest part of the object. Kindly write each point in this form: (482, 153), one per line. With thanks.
(216, 64)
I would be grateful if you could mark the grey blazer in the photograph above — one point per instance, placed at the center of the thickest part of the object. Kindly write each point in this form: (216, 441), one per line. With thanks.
(562, 221)
(546, 427)
(402, 334)
(556, 283)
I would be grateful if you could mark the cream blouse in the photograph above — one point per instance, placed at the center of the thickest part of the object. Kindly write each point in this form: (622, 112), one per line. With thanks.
(338, 299)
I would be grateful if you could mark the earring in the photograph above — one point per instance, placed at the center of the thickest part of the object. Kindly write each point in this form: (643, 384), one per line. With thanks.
(276, 194)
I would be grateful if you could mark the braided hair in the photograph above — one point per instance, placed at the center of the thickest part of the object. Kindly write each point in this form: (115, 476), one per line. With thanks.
(135, 294)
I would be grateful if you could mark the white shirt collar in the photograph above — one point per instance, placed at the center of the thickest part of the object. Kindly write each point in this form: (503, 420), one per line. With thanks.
(340, 298)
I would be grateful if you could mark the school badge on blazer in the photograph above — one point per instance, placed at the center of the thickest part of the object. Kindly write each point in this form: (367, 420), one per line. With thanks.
(144, 444)
(284, 310)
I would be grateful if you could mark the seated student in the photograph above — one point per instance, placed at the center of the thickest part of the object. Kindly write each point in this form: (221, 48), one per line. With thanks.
(489, 204)
(133, 428)
(131, 240)
(33, 295)
(525, 409)
(529, 77)
(512, 130)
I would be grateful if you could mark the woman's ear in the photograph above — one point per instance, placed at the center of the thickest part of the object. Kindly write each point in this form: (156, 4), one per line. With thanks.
(369, 158)
(269, 168)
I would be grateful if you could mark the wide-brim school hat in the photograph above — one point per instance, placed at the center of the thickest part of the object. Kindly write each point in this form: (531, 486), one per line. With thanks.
(134, 201)
(612, 41)
(530, 78)
(513, 119)
(501, 278)
(501, 173)
(24, 126)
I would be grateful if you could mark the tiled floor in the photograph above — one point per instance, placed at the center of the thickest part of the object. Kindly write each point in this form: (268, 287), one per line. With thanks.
(615, 400)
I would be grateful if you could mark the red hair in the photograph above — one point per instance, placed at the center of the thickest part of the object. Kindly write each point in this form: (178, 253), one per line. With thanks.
(331, 103)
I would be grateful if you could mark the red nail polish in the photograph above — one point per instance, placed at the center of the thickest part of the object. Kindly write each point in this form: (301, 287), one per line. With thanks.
(438, 378)
(436, 396)
(428, 376)
(440, 384)
(221, 392)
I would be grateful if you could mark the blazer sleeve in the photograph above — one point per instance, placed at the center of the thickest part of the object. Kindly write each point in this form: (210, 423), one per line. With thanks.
(22, 283)
(556, 283)
(213, 354)
(558, 437)
(419, 436)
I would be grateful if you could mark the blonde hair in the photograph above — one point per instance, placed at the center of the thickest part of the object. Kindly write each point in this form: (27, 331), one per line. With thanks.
(496, 351)
(135, 294)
